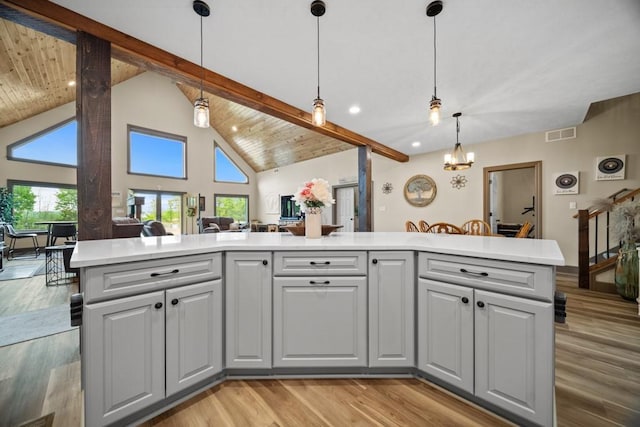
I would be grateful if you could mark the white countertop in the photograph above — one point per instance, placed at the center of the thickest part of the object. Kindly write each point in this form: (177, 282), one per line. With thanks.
(114, 251)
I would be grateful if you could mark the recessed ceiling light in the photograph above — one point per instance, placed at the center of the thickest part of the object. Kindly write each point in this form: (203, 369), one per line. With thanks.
(415, 144)
(71, 83)
(234, 128)
(354, 109)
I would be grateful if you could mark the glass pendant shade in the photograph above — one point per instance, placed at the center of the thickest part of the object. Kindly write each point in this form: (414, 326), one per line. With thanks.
(319, 114)
(201, 113)
(434, 111)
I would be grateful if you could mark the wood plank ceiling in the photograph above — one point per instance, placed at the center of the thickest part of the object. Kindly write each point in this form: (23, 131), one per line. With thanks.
(35, 71)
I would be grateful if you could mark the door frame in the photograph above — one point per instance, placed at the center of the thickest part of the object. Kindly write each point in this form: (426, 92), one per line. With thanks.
(537, 183)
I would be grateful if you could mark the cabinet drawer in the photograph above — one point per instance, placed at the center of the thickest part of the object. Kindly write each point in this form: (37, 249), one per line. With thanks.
(111, 281)
(320, 263)
(529, 280)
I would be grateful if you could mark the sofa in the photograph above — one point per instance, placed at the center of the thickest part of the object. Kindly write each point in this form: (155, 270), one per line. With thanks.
(122, 227)
(222, 222)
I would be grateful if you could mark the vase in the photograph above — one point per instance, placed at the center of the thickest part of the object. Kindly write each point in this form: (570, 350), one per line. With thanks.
(626, 276)
(313, 223)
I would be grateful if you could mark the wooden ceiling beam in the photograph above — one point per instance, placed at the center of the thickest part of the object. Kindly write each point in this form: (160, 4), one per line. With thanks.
(145, 55)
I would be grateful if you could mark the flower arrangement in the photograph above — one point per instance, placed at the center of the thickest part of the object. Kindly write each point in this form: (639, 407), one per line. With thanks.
(314, 194)
(626, 226)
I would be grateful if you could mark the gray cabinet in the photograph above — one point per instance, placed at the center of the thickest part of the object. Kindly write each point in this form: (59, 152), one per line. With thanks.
(320, 321)
(497, 347)
(514, 355)
(124, 359)
(248, 292)
(193, 334)
(391, 308)
(130, 343)
(445, 332)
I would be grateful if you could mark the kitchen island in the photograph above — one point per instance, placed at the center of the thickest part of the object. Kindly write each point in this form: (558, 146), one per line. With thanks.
(167, 317)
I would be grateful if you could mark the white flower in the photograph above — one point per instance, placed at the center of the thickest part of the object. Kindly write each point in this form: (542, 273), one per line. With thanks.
(315, 193)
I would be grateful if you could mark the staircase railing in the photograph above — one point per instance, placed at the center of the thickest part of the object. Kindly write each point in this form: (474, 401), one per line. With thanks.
(585, 254)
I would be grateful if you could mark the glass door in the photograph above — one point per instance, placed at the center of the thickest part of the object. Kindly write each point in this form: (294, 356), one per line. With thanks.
(165, 207)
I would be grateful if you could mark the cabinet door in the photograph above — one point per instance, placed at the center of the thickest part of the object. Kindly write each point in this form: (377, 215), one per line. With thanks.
(123, 344)
(193, 334)
(445, 332)
(515, 355)
(248, 309)
(391, 308)
(320, 321)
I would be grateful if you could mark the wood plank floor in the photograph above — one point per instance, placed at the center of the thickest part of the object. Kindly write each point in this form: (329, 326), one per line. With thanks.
(597, 382)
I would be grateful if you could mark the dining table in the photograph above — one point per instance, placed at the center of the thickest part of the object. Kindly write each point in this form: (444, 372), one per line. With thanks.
(50, 225)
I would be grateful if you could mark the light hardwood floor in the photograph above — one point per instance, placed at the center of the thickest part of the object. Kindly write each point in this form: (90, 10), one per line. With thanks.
(597, 381)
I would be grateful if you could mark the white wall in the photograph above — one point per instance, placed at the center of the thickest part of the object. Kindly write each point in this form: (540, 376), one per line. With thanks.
(151, 101)
(613, 127)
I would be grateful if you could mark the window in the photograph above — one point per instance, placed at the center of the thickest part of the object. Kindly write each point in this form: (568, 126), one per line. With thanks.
(164, 207)
(235, 206)
(156, 153)
(36, 201)
(57, 145)
(225, 170)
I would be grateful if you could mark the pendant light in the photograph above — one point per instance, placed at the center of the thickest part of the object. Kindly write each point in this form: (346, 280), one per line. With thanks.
(433, 9)
(318, 114)
(201, 105)
(457, 159)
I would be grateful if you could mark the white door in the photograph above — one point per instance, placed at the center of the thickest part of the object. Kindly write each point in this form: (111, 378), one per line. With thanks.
(345, 208)
(494, 201)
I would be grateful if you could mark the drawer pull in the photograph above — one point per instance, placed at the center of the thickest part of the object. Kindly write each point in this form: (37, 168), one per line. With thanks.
(374, 261)
(158, 305)
(320, 263)
(465, 300)
(480, 304)
(175, 301)
(265, 262)
(475, 273)
(313, 282)
(176, 271)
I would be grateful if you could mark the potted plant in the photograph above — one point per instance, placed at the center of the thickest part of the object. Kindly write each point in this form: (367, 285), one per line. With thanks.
(6, 205)
(626, 227)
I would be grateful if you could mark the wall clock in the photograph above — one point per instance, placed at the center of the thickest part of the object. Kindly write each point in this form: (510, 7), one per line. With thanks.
(420, 190)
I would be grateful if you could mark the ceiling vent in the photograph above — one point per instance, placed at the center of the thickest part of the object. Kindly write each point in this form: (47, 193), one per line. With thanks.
(560, 134)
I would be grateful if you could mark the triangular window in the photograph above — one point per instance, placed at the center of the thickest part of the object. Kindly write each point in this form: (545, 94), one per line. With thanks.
(225, 170)
(57, 145)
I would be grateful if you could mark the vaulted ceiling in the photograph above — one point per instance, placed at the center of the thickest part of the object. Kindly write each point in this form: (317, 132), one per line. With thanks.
(510, 67)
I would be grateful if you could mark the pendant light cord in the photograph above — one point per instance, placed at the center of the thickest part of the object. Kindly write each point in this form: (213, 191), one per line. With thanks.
(201, 50)
(318, 45)
(434, 57)
(457, 130)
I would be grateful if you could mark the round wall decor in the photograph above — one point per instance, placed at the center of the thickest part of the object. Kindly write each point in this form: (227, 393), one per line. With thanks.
(387, 188)
(420, 190)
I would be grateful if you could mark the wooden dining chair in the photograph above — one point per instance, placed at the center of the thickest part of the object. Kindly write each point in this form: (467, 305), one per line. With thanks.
(476, 227)
(444, 227)
(524, 230)
(410, 226)
(423, 226)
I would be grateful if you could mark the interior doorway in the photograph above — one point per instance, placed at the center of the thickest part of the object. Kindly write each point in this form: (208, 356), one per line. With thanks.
(513, 196)
(345, 210)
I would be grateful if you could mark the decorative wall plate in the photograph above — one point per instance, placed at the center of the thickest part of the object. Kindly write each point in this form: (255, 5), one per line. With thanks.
(387, 188)
(458, 181)
(420, 190)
